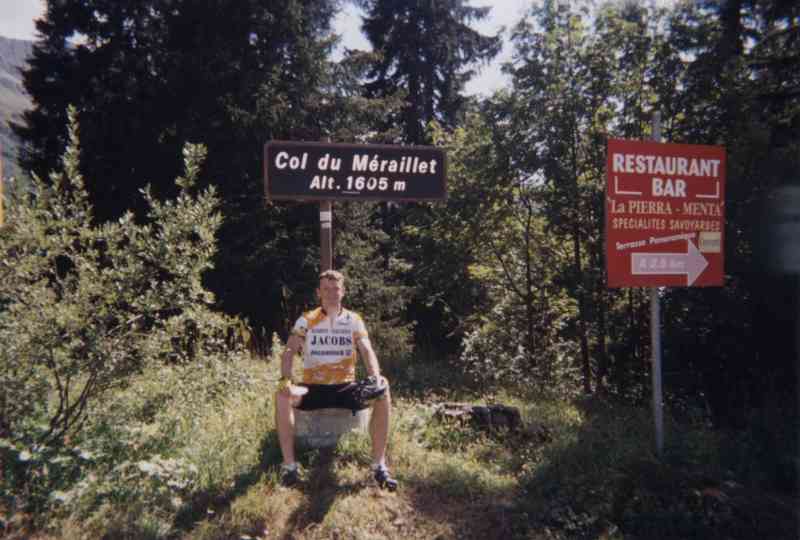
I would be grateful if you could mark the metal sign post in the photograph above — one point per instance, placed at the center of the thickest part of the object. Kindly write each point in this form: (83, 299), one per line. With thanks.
(325, 172)
(665, 226)
(655, 339)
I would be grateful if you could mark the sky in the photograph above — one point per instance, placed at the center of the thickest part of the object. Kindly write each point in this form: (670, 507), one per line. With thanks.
(504, 13)
(17, 16)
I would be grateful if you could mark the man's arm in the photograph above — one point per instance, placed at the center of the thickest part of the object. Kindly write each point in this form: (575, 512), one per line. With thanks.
(369, 356)
(293, 346)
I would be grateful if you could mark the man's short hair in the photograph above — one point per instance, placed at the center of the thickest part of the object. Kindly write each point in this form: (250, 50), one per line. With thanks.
(333, 275)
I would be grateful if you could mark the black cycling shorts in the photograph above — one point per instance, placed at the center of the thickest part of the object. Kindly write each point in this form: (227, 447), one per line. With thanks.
(329, 396)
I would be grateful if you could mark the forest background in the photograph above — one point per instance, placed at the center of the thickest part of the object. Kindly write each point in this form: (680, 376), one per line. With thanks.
(111, 267)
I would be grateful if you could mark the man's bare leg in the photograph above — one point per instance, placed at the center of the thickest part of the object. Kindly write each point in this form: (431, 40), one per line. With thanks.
(284, 423)
(379, 428)
(379, 432)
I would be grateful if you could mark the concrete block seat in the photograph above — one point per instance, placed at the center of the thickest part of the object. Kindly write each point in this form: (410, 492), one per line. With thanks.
(322, 428)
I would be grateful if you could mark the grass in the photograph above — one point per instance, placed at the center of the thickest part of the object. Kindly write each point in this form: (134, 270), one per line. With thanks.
(582, 469)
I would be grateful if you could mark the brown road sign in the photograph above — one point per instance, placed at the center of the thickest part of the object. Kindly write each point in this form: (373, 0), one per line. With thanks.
(326, 171)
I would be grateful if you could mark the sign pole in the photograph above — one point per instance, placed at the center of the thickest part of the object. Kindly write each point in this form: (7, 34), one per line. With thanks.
(326, 235)
(665, 225)
(324, 172)
(655, 338)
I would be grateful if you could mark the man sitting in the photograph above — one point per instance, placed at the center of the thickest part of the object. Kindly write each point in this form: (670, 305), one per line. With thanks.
(329, 337)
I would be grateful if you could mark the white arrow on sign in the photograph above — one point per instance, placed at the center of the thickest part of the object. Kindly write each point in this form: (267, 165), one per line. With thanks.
(692, 263)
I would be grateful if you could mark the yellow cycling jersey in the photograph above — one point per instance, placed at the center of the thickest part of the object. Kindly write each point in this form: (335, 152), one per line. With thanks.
(329, 345)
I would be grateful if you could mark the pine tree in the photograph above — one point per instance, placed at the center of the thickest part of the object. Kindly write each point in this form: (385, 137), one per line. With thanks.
(147, 76)
(427, 50)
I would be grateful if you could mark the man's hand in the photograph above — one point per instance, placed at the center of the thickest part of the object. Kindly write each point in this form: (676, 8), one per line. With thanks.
(366, 391)
(287, 388)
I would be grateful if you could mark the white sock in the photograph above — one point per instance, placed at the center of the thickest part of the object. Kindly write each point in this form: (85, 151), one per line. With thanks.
(379, 466)
(289, 467)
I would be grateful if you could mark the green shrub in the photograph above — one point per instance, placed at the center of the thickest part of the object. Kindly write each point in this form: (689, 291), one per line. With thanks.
(495, 352)
(86, 309)
(212, 422)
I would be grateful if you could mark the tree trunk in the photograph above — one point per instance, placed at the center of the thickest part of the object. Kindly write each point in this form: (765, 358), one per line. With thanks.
(586, 366)
(529, 311)
(602, 353)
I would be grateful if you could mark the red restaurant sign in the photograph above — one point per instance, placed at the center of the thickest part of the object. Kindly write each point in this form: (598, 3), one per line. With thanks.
(665, 214)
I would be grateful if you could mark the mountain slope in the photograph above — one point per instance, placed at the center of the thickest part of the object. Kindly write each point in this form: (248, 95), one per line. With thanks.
(13, 99)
